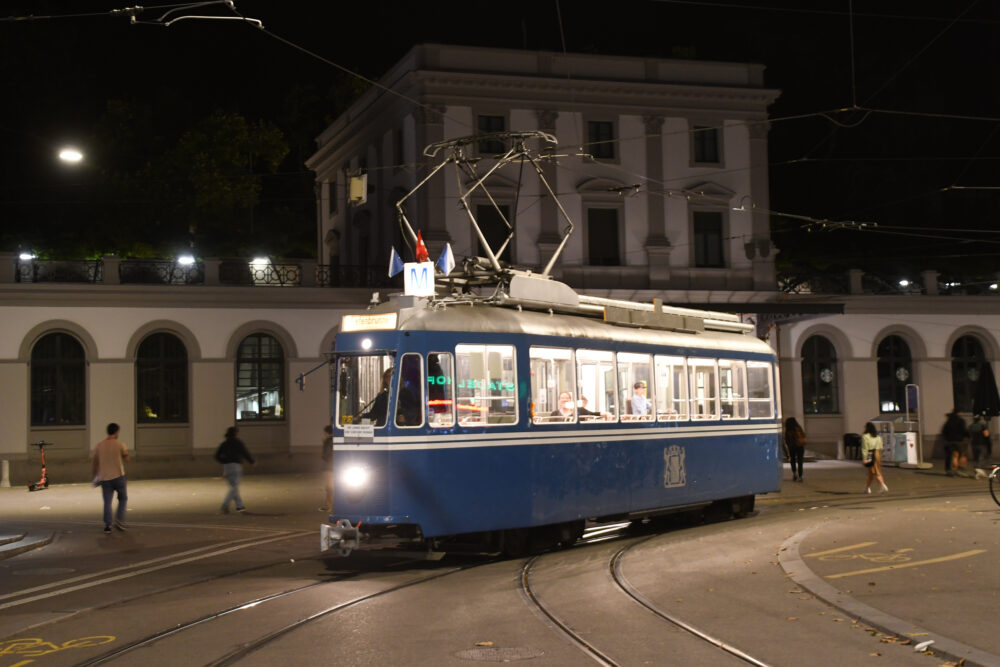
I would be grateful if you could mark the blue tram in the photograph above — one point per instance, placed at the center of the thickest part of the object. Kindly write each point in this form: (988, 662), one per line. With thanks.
(490, 422)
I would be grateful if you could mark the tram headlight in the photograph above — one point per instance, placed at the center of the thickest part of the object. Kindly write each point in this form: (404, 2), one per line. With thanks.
(356, 477)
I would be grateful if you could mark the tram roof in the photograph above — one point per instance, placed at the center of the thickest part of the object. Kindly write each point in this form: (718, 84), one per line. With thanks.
(479, 317)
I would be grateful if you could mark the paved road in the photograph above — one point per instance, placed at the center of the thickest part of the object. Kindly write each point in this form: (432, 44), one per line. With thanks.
(914, 564)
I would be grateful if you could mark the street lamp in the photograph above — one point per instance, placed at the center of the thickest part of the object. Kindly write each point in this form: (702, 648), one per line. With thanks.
(70, 155)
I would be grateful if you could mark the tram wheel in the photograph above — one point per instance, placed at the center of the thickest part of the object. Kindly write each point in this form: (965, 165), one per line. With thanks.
(515, 542)
(743, 506)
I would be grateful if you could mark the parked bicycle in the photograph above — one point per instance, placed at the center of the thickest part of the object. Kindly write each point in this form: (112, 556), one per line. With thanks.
(995, 483)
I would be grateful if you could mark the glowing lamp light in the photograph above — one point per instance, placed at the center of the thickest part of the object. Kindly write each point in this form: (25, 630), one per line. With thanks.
(904, 283)
(366, 344)
(25, 256)
(356, 477)
(70, 155)
(185, 260)
(993, 286)
(260, 261)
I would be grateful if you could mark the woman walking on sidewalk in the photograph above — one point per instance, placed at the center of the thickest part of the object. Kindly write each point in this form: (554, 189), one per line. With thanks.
(871, 455)
(231, 454)
(795, 444)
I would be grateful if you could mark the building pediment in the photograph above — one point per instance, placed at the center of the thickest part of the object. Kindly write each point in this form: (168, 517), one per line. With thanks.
(708, 193)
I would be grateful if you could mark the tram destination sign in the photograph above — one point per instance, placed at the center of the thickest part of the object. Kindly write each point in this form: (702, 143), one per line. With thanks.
(368, 322)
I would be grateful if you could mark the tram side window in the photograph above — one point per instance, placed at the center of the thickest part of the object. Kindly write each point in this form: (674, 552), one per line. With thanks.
(671, 389)
(596, 383)
(759, 390)
(732, 388)
(704, 388)
(486, 385)
(552, 385)
(635, 384)
(363, 389)
(440, 389)
(410, 395)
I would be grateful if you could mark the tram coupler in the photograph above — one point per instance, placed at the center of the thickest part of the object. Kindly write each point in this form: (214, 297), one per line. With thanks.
(341, 537)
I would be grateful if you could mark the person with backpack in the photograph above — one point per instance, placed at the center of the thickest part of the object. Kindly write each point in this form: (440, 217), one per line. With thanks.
(795, 445)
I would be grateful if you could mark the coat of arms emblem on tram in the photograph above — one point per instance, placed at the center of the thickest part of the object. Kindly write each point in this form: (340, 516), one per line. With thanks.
(674, 473)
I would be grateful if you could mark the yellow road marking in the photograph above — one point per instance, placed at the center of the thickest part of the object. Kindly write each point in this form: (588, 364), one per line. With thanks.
(835, 551)
(942, 559)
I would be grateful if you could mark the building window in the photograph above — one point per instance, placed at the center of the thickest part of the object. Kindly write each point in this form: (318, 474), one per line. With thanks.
(161, 380)
(967, 359)
(707, 232)
(895, 371)
(260, 379)
(489, 125)
(57, 381)
(601, 139)
(491, 223)
(602, 237)
(705, 145)
(819, 377)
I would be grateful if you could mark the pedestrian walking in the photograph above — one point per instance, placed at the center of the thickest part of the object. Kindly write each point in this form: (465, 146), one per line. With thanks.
(231, 454)
(795, 445)
(979, 439)
(954, 433)
(871, 456)
(327, 456)
(108, 468)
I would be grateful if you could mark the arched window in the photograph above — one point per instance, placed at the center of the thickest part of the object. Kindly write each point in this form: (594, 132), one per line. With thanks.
(161, 380)
(819, 377)
(895, 371)
(260, 378)
(57, 381)
(967, 358)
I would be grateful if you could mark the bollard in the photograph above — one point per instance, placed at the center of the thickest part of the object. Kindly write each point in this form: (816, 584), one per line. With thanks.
(840, 449)
(5, 474)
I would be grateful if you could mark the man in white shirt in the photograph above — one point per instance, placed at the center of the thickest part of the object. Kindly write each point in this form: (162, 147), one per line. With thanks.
(108, 469)
(640, 404)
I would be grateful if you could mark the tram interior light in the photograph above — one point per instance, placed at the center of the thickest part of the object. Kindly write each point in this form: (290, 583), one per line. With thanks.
(356, 477)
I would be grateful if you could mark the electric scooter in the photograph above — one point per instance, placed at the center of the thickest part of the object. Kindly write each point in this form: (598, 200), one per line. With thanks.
(43, 483)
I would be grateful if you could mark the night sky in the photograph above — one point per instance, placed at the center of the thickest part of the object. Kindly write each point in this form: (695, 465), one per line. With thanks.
(905, 137)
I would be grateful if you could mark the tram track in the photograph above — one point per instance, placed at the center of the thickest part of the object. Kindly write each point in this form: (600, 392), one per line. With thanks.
(620, 582)
(248, 647)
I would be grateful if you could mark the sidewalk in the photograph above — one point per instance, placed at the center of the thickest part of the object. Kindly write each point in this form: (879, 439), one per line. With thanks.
(823, 479)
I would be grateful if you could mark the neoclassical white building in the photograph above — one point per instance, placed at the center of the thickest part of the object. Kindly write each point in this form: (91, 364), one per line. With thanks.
(660, 165)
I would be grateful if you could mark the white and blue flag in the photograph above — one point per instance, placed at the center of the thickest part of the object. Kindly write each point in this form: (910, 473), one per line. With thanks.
(446, 262)
(395, 263)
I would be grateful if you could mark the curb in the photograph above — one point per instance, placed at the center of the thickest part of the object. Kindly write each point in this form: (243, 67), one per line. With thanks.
(793, 565)
(14, 545)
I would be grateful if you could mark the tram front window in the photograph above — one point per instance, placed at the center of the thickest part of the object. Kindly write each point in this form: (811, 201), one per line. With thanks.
(363, 389)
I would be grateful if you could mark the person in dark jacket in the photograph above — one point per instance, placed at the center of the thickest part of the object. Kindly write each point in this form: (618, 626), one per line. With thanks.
(795, 444)
(954, 433)
(231, 454)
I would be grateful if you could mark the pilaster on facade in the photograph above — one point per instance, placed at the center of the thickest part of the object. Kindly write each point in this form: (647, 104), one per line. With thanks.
(658, 251)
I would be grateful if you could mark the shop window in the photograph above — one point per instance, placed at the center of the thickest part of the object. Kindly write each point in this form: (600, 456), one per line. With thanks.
(819, 377)
(260, 379)
(161, 380)
(895, 371)
(58, 387)
(967, 359)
